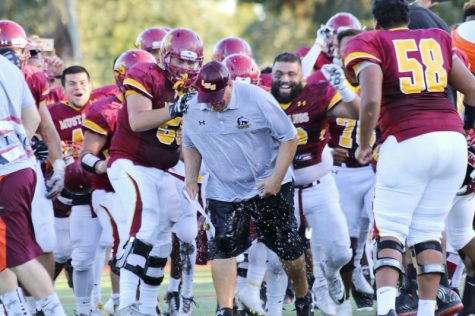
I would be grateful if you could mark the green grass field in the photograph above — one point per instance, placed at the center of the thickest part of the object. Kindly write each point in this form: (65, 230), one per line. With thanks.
(203, 293)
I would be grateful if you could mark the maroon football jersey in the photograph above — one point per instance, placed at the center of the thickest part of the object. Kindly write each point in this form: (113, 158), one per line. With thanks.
(316, 77)
(322, 60)
(104, 92)
(345, 134)
(308, 112)
(68, 122)
(415, 66)
(37, 82)
(101, 118)
(55, 95)
(157, 147)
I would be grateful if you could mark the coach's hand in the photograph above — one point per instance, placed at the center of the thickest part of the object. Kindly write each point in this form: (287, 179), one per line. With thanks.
(364, 154)
(192, 189)
(269, 187)
(181, 105)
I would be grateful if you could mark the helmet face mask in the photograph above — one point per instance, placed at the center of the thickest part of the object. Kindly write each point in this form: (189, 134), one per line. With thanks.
(182, 56)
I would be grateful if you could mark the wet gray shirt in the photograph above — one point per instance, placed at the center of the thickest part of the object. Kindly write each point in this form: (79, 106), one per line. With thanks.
(238, 145)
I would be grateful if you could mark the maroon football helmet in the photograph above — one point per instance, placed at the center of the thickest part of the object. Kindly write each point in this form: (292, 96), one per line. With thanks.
(151, 38)
(242, 68)
(76, 179)
(337, 23)
(184, 45)
(12, 35)
(229, 46)
(126, 60)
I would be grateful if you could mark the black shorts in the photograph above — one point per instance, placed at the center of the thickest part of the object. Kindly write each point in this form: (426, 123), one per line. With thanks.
(273, 217)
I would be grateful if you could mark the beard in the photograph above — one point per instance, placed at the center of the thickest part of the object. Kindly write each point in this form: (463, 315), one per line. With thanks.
(284, 98)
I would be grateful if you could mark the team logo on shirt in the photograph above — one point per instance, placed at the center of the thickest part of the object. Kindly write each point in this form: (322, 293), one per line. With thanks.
(242, 122)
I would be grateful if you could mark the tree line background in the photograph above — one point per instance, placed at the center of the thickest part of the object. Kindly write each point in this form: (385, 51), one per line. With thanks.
(94, 32)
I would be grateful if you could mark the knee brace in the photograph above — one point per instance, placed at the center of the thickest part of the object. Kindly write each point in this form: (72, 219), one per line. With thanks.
(153, 272)
(136, 248)
(427, 268)
(186, 250)
(113, 266)
(388, 261)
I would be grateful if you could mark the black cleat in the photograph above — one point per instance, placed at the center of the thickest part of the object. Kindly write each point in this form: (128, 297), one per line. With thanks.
(407, 303)
(364, 302)
(224, 312)
(304, 305)
(448, 302)
(173, 300)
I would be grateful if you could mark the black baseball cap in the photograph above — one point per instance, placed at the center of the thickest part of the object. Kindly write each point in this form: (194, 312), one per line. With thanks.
(212, 81)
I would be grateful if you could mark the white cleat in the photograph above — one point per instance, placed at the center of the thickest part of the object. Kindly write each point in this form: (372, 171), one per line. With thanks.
(249, 296)
(336, 288)
(323, 300)
(132, 310)
(359, 281)
(344, 309)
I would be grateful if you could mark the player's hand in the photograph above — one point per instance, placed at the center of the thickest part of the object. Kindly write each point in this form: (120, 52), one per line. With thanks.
(269, 187)
(322, 37)
(364, 154)
(55, 184)
(339, 155)
(335, 75)
(181, 105)
(191, 189)
(40, 148)
(55, 64)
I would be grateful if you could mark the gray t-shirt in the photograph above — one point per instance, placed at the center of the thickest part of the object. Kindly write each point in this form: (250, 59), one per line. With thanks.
(15, 150)
(238, 145)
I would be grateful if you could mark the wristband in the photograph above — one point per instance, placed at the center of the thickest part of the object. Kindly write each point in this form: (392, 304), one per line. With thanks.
(89, 161)
(347, 95)
(59, 165)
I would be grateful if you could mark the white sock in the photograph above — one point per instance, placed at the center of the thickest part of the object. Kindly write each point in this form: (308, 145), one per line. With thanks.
(116, 299)
(13, 303)
(128, 288)
(386, 298)
(51, 306)
(97, 275)
(188, 270)
(426, 308)
(276, 287)
(257, 266)
(31, 304)
(148, 298)
(173, 285)
(83, 305)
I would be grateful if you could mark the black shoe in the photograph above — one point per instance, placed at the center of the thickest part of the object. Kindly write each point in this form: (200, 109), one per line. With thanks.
(448, 302)
(304, 305)
(173, 300)
(391, 312)
(224, 312)
(364, 302)
(468, 298)
(406, 303)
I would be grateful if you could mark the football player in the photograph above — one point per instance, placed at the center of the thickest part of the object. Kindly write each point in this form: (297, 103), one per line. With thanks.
(229, 46)
(416, 118)
(143, 148)
(316, 193)
(150, 40)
